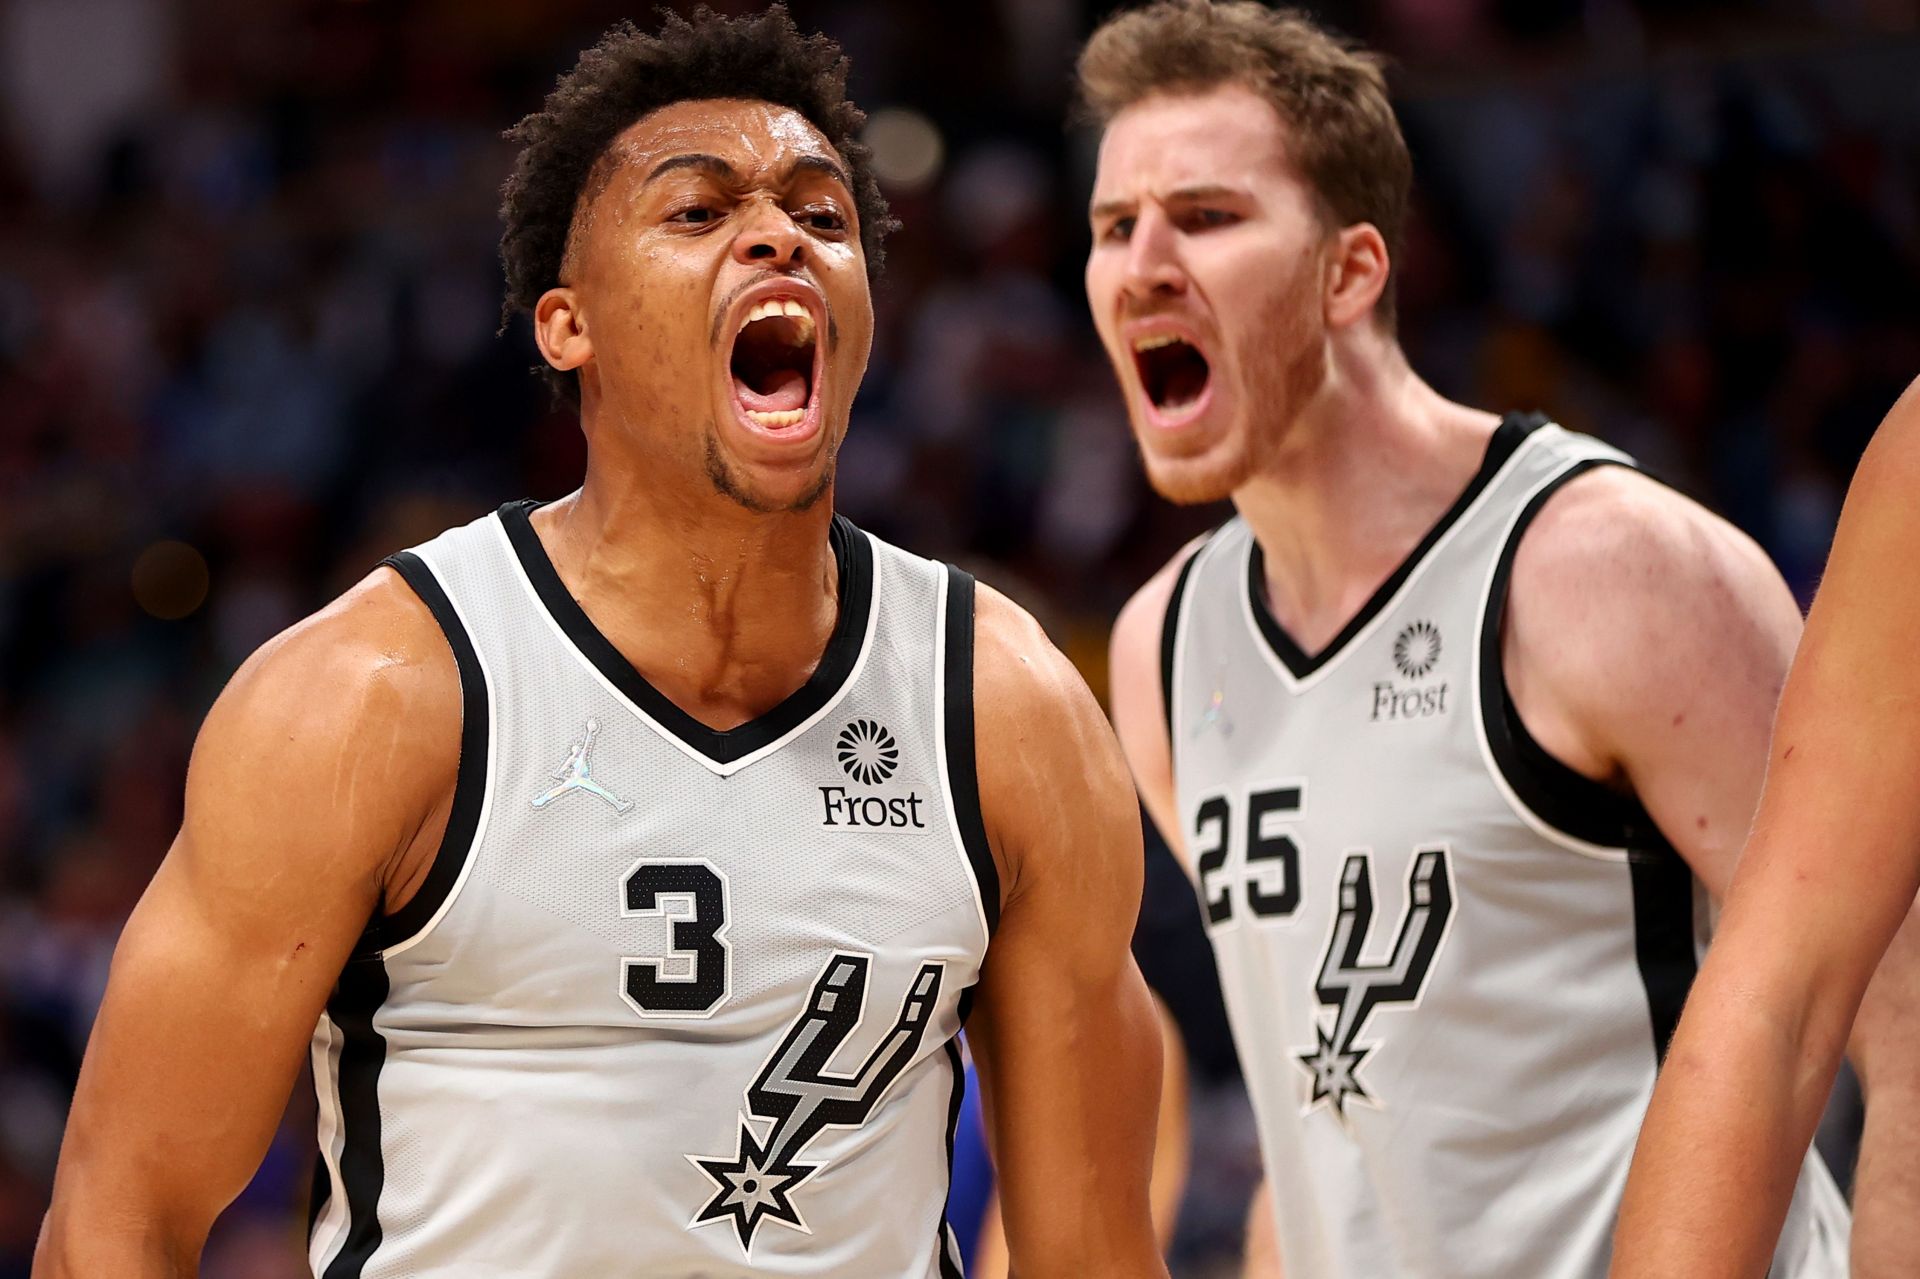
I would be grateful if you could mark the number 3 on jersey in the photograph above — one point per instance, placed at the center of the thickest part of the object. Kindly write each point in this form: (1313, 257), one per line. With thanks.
(1272, 882)
(697, 975)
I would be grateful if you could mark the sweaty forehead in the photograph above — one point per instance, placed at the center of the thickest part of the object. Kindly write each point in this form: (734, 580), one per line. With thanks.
(750, 135)
(1225, 136)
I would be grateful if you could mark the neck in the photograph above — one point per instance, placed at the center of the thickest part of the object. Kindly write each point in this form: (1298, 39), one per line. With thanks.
(1366, 466)
(726, 611)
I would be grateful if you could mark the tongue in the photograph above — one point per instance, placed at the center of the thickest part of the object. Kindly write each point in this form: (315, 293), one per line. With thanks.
(786, 390)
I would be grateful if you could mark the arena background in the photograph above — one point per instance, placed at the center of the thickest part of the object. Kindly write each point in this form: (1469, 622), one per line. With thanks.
(248, 292)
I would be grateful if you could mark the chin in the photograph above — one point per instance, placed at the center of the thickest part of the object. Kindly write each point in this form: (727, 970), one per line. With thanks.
(770, 490)
(1199, 477)
(1194, 481)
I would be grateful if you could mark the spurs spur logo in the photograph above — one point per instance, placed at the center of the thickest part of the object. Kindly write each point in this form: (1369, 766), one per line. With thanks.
(577, 774)
(796, 1096)
(1352, 988)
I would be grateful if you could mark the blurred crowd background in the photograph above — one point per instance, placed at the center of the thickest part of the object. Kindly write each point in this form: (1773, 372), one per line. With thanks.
(248, 299)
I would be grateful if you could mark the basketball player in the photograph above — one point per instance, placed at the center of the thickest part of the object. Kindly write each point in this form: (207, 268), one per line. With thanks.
(1828, 876)
(1447, 720)
(637, 854)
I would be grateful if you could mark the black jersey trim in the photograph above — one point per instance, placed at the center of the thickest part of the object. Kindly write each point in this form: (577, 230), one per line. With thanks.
(949, 1269)
(1570, 802)
(1584, 809)
(1663, 938)
(470, 782)
(852, 553)
(361, 990)
(963, 778)
(1513, 430)
(1170, 637)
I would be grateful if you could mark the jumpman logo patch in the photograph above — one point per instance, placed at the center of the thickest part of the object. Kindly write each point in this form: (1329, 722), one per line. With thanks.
(577, 774)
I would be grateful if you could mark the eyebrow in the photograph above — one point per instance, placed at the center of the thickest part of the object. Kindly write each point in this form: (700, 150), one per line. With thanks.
(820, 164)
(719, 168)
(1179, 195)
(696, 160)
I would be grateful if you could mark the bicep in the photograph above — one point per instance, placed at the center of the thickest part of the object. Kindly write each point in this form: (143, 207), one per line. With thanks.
(1836, 846)
(211, 999)
(1063, 1027)
(1653, 639)
(1695, 751)
(294, 812)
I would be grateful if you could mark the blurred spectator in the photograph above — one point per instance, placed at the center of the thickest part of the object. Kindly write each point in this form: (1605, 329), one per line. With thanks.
(247, 295)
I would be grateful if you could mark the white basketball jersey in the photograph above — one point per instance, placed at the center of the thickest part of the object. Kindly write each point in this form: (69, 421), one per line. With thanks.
(1450, 961)
(671, 1002)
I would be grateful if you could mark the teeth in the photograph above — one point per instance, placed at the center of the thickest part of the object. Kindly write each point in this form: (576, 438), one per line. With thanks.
(778, 418)
(775, 308)
(1155, 341)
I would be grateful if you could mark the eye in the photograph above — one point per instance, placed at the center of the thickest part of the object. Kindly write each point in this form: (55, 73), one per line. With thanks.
(1120, 229)
(823, 220)
(1205, 219)
(694, 215)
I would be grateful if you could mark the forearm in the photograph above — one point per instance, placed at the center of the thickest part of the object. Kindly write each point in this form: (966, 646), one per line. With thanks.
(1886, 1054)
(1738, 1099)
(1886, 1188)
(86, 1235)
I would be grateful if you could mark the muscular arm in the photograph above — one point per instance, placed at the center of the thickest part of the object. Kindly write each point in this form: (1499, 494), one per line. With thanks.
(1645, 644)
(318, 769)
(1828, 877)
(1063, 1030)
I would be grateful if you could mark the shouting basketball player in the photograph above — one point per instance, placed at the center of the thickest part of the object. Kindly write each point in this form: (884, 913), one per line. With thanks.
(638, 854)
(1447, 720)
(1827, 879)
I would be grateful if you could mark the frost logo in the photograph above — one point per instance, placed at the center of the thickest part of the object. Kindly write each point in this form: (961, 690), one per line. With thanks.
(867, 752)
(1416, 649)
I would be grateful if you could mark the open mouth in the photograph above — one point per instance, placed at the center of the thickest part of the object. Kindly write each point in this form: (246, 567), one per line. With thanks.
(1172, 371)
(772, 363)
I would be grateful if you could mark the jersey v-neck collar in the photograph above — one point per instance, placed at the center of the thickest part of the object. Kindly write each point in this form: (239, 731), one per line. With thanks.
(1513, 430)
(722, 749)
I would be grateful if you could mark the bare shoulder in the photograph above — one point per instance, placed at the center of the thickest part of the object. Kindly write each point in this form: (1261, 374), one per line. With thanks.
(1133, 666)
(344, 728)
(1615, 557)
(1027, 695)
(1141, 622)
(1631, 608)
(1050, 771)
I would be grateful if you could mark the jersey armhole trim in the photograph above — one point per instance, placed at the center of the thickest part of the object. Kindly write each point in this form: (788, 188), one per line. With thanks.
(1582, 813)
(963, 778)
(1571, 803)
(1169, 639)
(470, 785)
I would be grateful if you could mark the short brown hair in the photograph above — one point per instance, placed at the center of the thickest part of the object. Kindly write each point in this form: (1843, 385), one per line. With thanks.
(1331, 96)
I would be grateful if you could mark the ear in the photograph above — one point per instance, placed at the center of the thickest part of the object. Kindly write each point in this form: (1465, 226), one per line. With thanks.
(1357, 269)
(560, 329)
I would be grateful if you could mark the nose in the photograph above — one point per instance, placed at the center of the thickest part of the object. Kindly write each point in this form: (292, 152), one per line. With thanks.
(769, 238)
(1153, 259)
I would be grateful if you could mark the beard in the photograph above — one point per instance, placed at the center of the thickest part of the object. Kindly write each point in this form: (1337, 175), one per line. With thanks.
(734, 488)
(1275, 384)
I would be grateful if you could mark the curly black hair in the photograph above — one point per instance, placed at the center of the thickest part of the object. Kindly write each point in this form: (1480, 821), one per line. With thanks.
(629, 74)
